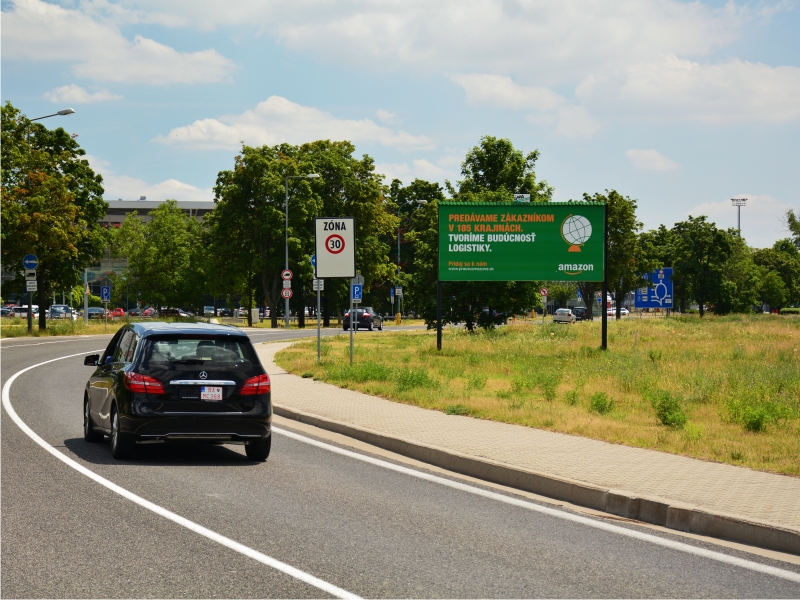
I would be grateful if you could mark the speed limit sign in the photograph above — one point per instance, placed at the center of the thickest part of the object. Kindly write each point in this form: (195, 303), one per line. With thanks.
(335, 247)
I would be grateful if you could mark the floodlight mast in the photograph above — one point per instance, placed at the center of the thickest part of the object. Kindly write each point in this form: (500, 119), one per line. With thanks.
(739, 203)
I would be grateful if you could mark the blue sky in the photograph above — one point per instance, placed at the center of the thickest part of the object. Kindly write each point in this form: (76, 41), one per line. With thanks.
(680, 105)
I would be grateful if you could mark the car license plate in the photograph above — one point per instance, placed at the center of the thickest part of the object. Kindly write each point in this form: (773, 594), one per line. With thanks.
(211, 393)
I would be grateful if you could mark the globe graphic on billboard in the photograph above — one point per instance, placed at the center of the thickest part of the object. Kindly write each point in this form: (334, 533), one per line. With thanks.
(576, 230)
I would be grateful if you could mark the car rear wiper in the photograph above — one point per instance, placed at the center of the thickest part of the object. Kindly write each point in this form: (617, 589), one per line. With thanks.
(189, 361)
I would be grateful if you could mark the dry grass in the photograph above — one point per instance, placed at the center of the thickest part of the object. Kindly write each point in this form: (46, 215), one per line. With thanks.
(725, 389)
(15, 327)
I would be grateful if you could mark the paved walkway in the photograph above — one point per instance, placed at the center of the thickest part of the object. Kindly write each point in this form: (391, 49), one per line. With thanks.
(707, 485)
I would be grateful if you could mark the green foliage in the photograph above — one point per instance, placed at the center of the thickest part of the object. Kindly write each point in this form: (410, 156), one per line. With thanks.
(668, 409)
(773, 290)
(790, 311)
(457, 409)
(360, 372)
(51, 204)
(478, 381)
(407, 379)
(600, 403)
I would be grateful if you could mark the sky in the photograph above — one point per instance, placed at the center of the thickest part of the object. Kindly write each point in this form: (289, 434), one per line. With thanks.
(679, 105)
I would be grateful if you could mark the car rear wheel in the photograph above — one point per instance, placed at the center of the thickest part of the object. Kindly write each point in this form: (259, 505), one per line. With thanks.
(380, 326)
(371, 326)
(258, 450)
(122, 445)
(89, 434)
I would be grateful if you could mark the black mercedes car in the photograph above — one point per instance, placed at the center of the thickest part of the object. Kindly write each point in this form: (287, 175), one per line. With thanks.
(178, 382)
(366, 318)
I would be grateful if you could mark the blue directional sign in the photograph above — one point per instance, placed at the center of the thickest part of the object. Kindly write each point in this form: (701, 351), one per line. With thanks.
(357, 291)
(313, 260)
(659, 293)
(391, 293)
(105, 293)
(30, 261)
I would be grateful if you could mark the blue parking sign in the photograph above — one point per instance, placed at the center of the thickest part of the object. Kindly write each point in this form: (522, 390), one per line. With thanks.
(105, 293)
(357, 291)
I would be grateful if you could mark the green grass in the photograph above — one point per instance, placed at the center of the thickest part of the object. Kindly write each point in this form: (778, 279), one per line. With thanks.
(722, 388)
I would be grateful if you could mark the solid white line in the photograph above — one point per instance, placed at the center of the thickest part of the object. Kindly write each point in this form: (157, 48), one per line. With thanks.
(567, 516)
(87, 338)
(212, 535)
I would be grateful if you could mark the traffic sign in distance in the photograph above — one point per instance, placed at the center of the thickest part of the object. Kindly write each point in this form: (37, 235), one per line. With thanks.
(313, 260)
(286, 275)
(358, 291)
(391, 293)
(398, 291)
(105, 293)
(335, 245)
(543, 292)
(32, 285)
(286, 293)
(30, 261)
(30, 274)
(358, 280)
(287, 284)
(318, 285)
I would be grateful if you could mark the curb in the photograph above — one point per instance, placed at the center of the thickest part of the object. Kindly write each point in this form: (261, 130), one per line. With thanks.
(650, 509)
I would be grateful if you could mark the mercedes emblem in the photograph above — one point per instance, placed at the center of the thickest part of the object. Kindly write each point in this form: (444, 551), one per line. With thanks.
(203, 375)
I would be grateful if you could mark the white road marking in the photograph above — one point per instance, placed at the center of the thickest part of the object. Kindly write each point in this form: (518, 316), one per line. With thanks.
(175, 518)
(87, 338)
(567, 516)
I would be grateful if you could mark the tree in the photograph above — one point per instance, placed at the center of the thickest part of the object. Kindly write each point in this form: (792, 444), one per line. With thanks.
(493, 172)
(701, 251)
(793, 223)
(627, 263)
(159, 254)
(783, 259)
(773, 290)
(51, 202)
(742, 278)
(561, 291)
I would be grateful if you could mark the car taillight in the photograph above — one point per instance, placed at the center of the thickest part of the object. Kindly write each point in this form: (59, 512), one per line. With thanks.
(143, 384)
(256, 385)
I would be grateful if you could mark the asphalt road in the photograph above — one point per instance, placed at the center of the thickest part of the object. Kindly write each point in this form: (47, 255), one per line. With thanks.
(364, 528)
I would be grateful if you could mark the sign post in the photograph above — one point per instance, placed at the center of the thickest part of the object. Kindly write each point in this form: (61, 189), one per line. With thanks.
(522, 241)
(335, 254)
(30, 262)
(105, 298)
(318, 286)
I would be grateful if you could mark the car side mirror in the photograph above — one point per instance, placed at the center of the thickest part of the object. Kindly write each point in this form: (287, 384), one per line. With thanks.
(91, 360)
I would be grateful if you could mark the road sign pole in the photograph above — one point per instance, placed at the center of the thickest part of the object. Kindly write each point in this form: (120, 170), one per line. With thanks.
(319, 334)
(604, 311)
(350, 315)
(85, 296)
(30, 312)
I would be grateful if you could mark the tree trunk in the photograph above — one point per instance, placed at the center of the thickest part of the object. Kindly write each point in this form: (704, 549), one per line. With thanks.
(700, 305)
(43, 302)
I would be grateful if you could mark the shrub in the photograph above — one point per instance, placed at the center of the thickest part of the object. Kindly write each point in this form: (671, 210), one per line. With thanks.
(601, 403)
(790, 311)
(668, 409)
(655, 355)
(361, 372)
(571, 397)
(410, 378)
(457, 409)
(478, 381)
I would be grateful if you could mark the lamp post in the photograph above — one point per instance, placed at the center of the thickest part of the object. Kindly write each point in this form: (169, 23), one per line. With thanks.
(399, 206)
(739, 203)
(286, 207)
(61, 113)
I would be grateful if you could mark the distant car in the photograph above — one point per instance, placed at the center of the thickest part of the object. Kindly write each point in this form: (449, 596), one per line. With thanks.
(366, 318)
(208, 311)
(134, 312)
(623, 312)
(224, 312)
(62, 311)
(22, 311)
(173, 312)
(581, 313)
(5, 312)
(117, 313)
(149, 312)
(564, 315)
(95, 312)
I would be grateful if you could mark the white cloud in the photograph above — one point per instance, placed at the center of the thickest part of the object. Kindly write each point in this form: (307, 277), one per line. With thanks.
(418, 169)
(41, 31)
(277, 120)
(131, 188)
(75, 94)
(729, 92)
(386, 117)
(499, 91)
(650, 160)
(762, 218)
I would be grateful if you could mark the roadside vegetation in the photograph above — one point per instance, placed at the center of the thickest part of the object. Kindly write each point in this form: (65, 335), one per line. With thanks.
(725, 389)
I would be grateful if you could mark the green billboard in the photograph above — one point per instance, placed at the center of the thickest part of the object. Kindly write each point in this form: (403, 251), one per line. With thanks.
(540, 241)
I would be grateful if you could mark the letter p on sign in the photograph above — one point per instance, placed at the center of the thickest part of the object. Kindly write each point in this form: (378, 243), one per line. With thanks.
(335, 246)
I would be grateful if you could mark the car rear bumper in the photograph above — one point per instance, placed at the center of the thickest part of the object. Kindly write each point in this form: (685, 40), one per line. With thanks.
(209, 428)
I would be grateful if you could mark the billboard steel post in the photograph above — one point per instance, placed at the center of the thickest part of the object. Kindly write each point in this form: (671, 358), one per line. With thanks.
(438, 315)
(604, 313)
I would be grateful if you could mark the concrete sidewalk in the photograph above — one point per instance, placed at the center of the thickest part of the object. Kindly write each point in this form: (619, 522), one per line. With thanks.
(681, 493)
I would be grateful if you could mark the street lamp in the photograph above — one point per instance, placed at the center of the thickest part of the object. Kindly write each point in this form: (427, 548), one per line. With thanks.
(286, 206)
(61, 113)
(739, 203)
(399, 206)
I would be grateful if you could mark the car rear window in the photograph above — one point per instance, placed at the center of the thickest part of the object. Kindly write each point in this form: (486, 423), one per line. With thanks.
(194, 349)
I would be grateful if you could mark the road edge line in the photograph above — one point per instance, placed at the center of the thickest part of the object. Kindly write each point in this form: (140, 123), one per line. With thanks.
(658, 511)
(155, 508)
